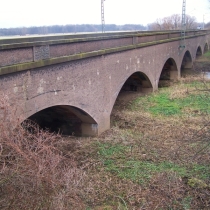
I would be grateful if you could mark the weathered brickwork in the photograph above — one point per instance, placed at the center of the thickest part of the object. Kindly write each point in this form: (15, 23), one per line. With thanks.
(162, 37)
(174, 35)
(14, 56)
(146, 39)
(93, 84)
(74, 48)
(73, 45)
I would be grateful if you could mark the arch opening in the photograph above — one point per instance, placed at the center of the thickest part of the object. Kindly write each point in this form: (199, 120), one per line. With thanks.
(206, 48)
(169, 73)
(137, 82)
(136, 85)
(187, 64)
(67, 120)
(198, 52)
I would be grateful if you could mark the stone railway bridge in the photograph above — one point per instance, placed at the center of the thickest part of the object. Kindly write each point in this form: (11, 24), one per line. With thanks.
(69, 83)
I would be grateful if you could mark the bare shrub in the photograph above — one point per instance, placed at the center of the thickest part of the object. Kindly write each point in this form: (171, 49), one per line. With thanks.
(34, 174)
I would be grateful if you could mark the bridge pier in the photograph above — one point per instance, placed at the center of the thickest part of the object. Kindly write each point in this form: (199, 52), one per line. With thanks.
(89, 129)
(95, 129)
(104, 124)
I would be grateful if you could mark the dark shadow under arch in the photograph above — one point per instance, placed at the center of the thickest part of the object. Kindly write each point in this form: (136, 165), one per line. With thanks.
(67, 120)
(136, 85)
(198, 52)
(169, 73)
(187, 63)
(137, 82)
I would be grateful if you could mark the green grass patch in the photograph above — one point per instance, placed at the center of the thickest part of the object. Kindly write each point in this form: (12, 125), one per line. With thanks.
(142, 171)
(200, 171)
(117, 162)
(199, 102)
(161, 104)
(186, 202)
(109, 151)
(207, 54)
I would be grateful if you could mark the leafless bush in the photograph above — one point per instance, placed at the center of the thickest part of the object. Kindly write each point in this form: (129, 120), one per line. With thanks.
(34, 174)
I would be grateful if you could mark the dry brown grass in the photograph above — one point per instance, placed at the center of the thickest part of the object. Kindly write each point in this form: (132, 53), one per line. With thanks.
(40, 170)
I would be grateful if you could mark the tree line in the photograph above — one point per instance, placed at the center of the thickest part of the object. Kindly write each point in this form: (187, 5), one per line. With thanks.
(68, 29)
(174, 22)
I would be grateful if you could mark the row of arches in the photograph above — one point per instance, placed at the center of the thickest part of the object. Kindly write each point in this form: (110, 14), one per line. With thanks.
(70, 120)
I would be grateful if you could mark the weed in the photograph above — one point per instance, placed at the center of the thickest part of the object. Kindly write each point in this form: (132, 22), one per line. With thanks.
(114, 151)
(207, 55)
(186, 202)
(33, 172)
(142, 172)
(162, 104)
(156, 156)
(114, 160)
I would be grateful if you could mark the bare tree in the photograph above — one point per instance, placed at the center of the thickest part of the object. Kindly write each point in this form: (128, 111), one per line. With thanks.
(167, 23)
(173, 22)
(176, 21)
(191, 22)
(157, 25)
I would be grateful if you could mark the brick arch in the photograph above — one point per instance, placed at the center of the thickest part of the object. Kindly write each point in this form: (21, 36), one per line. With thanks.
(65, 114)
(168, 72)
(199, 51)
(137, 80)
(65, 119)
(186, 61)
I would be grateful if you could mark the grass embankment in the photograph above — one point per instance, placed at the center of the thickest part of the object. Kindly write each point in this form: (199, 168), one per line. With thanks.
(155, 156)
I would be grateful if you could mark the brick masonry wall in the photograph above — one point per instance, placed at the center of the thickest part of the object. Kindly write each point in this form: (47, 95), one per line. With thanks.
(174, 35)
(92, 84)
(74, 48)
(146, 39)
(42, 52)
(15, 56)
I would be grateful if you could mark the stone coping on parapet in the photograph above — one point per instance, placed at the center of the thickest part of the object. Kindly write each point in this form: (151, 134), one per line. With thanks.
(52, 61)
(22, 42)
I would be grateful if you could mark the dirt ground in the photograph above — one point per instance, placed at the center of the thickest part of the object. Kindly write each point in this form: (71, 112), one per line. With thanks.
(155, 156)
(145, 161)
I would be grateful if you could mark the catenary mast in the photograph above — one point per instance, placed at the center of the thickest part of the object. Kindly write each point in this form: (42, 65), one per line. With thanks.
(102, 16)
(183, 26)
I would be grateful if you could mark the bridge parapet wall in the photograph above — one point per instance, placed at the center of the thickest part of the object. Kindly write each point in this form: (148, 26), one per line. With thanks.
(91, 82)
(14, 52)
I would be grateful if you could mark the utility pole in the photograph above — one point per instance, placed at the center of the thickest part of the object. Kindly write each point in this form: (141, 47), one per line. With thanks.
(102, 16)
(183, 27)
(203, 21)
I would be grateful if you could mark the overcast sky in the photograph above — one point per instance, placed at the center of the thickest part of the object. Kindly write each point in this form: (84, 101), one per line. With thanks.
(17, 13)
